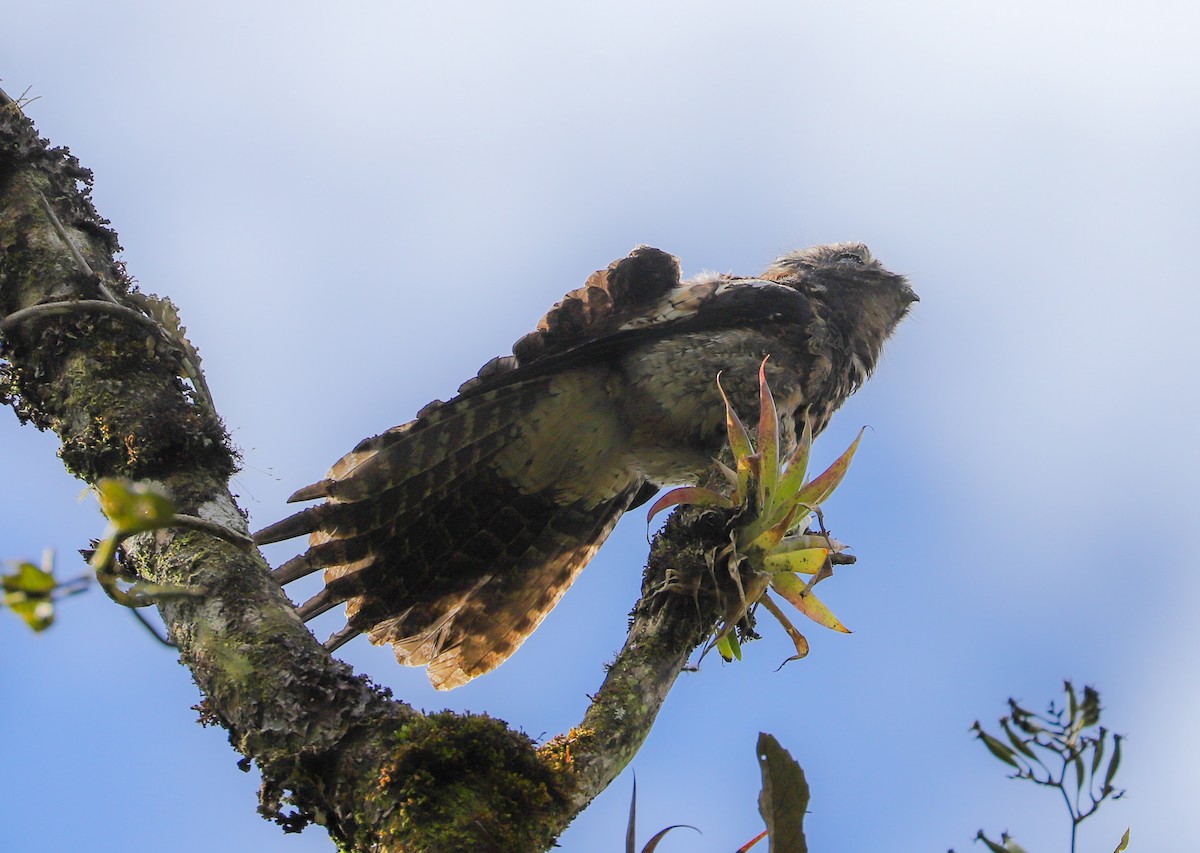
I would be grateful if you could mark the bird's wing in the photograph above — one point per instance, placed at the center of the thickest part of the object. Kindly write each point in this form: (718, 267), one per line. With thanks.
(452, 536)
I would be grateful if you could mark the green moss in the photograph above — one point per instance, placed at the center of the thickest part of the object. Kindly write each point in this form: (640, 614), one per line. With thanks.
(559, 752)
(465, 783)
(140, 424)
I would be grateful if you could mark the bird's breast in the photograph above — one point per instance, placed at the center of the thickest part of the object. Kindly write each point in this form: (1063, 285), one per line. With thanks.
(673, 406)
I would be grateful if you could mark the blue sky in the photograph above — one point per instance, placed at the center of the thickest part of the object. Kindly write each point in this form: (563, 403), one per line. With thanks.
(327, 193)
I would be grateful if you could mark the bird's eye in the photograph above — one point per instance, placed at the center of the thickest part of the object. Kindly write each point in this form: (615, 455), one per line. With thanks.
(849, 258)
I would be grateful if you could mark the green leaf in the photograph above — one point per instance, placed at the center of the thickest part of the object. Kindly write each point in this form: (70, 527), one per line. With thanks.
(800, 541)
(105, 553)
(1098, 751)
(37, 613)
(806, 561)
(818, 491)
(29, 579)
(1124, 842)
(1090, 706)
(1072, 702)
(739, 438)
(1021, 745)
(27, 593)
(1025, 720)
(996, 748)
(783, 801)
(745, 462)
(797, 466)
(728, 473)
(991, 845)
(769, 539)
(801, 597)
(133, 507)
(130, 508)
(729, 646)
(724, 649)
(768, 443)
(1113, 763)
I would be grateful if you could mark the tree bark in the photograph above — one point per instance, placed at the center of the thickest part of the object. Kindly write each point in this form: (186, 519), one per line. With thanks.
(83, 356)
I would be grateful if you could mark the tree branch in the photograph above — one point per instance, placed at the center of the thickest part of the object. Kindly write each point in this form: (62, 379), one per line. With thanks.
(83, 358)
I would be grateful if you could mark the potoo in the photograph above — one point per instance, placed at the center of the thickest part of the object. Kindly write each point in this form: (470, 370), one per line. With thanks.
(452, 536)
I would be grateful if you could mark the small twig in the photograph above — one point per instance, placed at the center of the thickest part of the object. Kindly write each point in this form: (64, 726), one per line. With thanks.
(73, 587)
(108, 583)
(142, 593)
(191, 369)
(80, 263)
(194, 522)
(100, 306)
(18, 104)
(115, 309)
(149, 626)
(826, 569)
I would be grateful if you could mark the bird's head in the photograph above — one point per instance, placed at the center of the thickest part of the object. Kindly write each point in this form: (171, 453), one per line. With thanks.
(851, 284)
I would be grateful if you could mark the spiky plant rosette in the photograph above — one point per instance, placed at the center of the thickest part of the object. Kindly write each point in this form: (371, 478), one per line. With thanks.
(771, 543)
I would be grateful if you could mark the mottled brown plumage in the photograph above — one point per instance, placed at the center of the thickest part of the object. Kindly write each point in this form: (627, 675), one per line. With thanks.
(451, 537)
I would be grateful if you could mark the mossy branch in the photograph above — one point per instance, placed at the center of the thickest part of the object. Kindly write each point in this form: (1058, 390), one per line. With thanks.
(82, 356)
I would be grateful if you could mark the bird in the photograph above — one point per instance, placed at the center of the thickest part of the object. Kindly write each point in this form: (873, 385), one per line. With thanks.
(452, 536)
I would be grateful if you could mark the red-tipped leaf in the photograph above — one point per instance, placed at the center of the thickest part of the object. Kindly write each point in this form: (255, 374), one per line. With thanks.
(797, 594)
(768, 442)
(797, 467)
(739, 438)
(695, 495)
(822, 486)
(798, 639)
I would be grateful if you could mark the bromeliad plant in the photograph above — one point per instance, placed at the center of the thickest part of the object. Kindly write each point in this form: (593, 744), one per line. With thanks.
(775, 500)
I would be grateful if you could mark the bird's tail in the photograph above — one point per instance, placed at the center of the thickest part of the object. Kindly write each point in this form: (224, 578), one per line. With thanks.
(433, 543)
